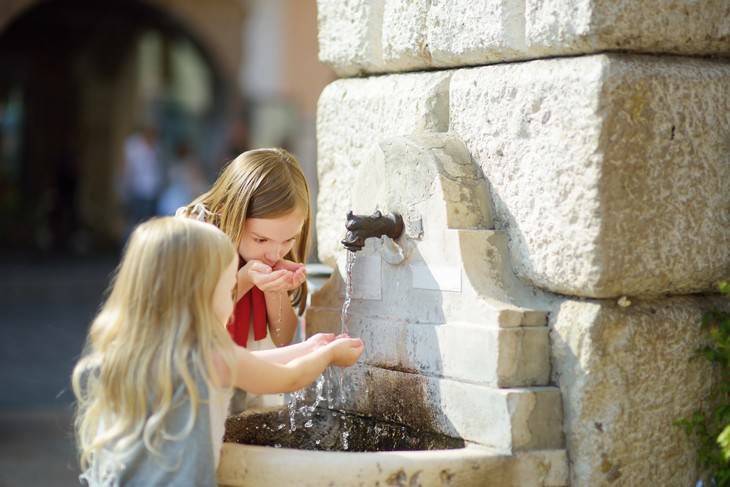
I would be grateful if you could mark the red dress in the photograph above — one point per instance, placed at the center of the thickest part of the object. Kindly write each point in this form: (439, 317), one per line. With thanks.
(252, 303)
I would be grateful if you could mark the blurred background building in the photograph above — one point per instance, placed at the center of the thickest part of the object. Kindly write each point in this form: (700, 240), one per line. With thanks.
(186, 84)
(77, 78)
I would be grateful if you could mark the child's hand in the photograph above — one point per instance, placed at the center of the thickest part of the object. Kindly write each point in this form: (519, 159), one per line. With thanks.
(318, 340)
(288, 265)
(284, 276)
(346, 351)
(298, 272)
(258, 274)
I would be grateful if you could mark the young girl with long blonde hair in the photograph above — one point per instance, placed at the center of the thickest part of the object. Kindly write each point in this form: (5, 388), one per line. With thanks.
(159, 367)
(261, 200)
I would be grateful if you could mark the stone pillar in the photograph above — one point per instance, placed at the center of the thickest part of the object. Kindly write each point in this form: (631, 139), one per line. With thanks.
(608, 172)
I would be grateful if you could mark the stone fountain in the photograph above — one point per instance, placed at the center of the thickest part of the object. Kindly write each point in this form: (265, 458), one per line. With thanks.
(530, 138)
(457, 365)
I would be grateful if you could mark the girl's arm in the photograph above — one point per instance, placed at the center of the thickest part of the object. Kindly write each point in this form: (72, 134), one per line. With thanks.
(288, 353)
(259, 376)
(282, 319)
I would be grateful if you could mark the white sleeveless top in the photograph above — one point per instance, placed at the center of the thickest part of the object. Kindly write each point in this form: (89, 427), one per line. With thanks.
(218, 406)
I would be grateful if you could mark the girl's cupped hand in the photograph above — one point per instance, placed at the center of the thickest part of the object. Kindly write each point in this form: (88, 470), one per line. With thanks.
(318, 340)
(346, 350)
(285, 275)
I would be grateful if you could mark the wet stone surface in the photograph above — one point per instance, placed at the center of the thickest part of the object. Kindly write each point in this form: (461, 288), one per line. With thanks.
(329, 430)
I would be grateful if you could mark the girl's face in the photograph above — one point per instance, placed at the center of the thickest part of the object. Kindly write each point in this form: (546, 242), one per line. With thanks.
(225, 292)
(269, 239)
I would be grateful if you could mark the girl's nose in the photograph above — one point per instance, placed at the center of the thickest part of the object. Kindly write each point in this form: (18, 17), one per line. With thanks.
(275, 253)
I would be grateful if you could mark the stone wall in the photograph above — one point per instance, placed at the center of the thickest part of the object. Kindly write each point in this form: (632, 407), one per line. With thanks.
(380, 36)
(608, 173)
(611, 172)
(626, 375)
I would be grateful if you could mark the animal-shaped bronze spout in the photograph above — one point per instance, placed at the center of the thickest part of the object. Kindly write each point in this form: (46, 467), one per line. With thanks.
(362, 227)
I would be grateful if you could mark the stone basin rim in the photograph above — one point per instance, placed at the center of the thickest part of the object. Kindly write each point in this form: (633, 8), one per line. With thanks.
(472, 448)
(254, 465)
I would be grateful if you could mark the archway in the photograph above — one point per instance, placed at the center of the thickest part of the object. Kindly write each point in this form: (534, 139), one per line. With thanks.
(75, 79)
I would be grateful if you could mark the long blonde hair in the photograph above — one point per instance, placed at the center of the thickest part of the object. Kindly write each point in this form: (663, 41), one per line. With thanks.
(261, 183)
(156, 328)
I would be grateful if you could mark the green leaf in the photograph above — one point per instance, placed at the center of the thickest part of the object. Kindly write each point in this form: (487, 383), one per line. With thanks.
(724, 441)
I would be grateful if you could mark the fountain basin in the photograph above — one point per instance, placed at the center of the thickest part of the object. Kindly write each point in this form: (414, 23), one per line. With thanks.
(414, 458)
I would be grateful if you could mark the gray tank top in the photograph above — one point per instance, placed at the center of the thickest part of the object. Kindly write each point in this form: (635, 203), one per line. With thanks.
(190, 461)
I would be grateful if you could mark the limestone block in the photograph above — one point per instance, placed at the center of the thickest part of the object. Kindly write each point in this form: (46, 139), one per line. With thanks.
(452, 267)
(250, 465)
(457, 276)
(450, 33)
(466, 32)
(505, 419)
(626, 374)
(404, 174)
(350, 35)
(588, 26)
(404, 35)
(493, 356)
(395, 35)
(611, 174)
(351, 116)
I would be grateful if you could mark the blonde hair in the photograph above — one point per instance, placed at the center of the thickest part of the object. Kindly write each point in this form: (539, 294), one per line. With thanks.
(156, 328)
(261, 183)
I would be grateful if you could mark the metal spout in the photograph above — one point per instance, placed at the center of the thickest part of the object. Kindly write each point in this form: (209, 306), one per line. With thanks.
(363, 227)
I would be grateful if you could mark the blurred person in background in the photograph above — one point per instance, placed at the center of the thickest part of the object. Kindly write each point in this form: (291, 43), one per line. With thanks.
(185, 180)
(141, 179)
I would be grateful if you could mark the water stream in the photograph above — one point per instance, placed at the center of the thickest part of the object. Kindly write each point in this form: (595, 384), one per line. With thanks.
(344, 317)
(305, 401)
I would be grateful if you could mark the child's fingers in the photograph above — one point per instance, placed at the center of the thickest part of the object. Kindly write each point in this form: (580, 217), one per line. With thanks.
(262, 280)
(260, 267)
(347, 351)
(319, 340)
(297, 279)
(322, 337)
(276, 281)
(289, 265)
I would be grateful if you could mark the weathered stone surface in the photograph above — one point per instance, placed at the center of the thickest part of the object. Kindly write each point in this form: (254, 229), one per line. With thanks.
(245, 465)
(626, 374)
(588, 26)
(567, 135)
(405, 49)
(387, 291)
(498, 357)
(352, 115)
(508, 420)
(350, 35)
(398, 35)
(450, 265)
(581, 153)
(429, 177)
(417, 34)
(395, 35)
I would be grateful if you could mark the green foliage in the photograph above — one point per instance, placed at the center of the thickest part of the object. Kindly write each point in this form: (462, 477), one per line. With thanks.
(712, 427)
